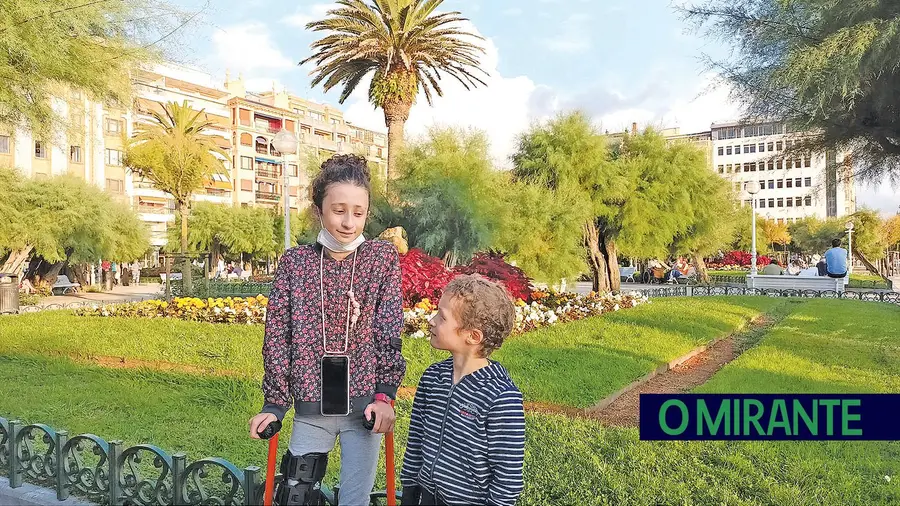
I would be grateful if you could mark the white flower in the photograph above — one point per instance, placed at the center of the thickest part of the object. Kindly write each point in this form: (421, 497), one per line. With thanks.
(419, 334)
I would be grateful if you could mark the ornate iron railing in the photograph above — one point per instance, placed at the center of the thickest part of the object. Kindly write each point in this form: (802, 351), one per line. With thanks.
(706, 291)
(219, 288)
(108, 472)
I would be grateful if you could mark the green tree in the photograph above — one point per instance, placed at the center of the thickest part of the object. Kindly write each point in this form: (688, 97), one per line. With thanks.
(814, 235)
(776, 233)
(90, 46)
(65, 221)
(712, 220)
(831, 68)
(405, 43)
(868, 237)
(449, 193)
(175, 154)
(890, 232)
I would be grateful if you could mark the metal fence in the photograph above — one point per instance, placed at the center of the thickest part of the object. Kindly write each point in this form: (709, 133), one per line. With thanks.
(108, 472)
(219, 288)
(706, 291)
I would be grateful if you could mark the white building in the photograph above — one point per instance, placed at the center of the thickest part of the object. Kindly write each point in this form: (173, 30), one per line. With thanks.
(790, 188)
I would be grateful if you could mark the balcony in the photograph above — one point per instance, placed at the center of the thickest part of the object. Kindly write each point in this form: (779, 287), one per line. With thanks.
(268, 196)
(154, 209)
(268, 173)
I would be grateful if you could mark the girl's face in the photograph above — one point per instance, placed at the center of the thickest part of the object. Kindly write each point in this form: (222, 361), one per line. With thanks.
(344, 211)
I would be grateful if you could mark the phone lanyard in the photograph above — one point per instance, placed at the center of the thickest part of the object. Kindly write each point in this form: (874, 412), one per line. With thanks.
(349, 303)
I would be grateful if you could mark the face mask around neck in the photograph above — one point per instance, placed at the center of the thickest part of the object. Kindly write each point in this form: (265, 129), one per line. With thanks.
(327, 240)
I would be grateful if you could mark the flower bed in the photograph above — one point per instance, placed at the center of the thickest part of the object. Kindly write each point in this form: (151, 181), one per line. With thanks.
(546, 308)
(241, 310)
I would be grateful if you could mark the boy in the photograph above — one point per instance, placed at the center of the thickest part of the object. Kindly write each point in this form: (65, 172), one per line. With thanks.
(467, 428)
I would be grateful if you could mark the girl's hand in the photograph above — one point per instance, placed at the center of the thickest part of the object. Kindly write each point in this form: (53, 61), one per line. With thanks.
(260, 422)
(384, 416)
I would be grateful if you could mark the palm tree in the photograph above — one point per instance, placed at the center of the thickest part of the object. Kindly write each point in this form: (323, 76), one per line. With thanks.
(405, 44)
(178, 157)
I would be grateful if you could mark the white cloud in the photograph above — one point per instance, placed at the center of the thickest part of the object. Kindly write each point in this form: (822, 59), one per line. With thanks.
(249, 48)
(574, 38)
(311, 13)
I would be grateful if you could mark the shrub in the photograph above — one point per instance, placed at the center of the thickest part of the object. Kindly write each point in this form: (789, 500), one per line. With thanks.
(493, 265)
(744, 259)
(423, 277)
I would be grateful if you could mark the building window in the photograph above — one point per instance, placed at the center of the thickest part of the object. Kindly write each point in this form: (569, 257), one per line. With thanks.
(762, 147)
(246, 139)
(292, 170)
(752, 166)
(797, 163)
(788, 144)
(771, 202)
(807, 162)
(75, 154)
(798, 201)
(721, 151)
(779, 164)
(244, 117)
(762, 203)
(728, 150)
(807, 201)
(113, 157)
(771, 165)
(113, 126)
(797, 182)
(771, 146)
(246, 163)
(721, 169)
(729, 169)
(771, 184)
(778, 146)
(790, 202)
(752, 148)
(316, 116)
(115, 186)
(4, 144)
(40, 151)
(807, 181)
(780, 184)
(737, 187)
(780, 202)
(789, 164)
(789, 183)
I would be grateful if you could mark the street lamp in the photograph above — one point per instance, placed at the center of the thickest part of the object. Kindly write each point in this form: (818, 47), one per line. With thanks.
(753, 189)
(849, 225)
(286, 143)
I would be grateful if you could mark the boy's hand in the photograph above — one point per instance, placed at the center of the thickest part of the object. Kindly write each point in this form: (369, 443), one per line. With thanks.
(260, 422)
(384, 416)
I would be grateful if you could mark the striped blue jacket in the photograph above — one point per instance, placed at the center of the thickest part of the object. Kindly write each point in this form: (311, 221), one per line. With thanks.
(466, 441)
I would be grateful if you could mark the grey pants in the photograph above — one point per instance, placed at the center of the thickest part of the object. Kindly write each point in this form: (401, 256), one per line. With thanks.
(359, 451)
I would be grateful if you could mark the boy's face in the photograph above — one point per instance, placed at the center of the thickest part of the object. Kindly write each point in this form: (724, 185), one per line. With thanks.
(445, 329)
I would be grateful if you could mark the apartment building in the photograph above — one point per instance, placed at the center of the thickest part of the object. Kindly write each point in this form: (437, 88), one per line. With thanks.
(792, 187)
(244, 127)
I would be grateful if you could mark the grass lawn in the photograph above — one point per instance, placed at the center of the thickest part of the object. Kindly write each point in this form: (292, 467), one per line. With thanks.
(823, 346)
(556, 365)
(567, 461)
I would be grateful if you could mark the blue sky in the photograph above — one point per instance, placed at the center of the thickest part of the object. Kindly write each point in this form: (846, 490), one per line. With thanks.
(619, 60)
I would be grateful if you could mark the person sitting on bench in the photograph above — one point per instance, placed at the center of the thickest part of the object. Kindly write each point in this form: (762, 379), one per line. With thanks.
(836, 260)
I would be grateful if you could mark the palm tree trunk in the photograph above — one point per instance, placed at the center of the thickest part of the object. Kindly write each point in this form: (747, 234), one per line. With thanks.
(396, 112)
(186, 265)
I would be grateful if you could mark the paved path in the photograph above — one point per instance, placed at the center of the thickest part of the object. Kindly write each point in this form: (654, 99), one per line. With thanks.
(131, 293)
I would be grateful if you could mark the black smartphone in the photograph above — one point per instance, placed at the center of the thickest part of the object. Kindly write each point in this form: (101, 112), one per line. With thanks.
(336, 386)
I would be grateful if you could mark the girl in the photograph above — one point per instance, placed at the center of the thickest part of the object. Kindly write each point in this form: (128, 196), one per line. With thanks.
(334, 303)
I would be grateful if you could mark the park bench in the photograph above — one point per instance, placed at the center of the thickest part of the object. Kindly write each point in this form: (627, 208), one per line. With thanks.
(176, 276)
(63, 285)
(627, 273)
(800, 283)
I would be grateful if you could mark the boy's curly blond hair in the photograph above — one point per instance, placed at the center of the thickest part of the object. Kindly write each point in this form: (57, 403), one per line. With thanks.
(483, 305)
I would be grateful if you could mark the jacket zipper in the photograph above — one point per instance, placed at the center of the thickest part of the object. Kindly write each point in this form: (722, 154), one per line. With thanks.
(441, 440)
